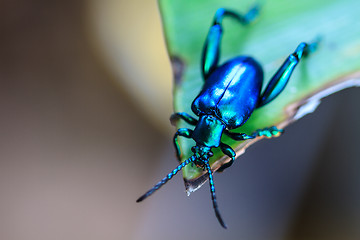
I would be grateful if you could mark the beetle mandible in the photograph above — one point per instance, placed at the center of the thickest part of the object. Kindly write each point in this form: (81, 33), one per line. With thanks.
(230, 94)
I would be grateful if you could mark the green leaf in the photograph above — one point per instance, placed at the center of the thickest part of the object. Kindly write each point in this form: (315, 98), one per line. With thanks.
(280, 27)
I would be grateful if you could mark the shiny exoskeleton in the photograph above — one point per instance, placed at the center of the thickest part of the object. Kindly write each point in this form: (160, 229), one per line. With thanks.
(230, 94)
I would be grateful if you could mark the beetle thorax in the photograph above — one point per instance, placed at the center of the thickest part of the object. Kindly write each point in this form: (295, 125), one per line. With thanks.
(208, 131)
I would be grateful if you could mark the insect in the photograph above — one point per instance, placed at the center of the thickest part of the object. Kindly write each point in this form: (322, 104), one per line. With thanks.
(231, 92)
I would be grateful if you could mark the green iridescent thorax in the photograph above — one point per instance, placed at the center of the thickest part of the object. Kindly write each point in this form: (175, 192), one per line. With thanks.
(208, 131)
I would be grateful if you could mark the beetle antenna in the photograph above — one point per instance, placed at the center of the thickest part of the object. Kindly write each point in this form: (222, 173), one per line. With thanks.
(213, 196)
(166, 179)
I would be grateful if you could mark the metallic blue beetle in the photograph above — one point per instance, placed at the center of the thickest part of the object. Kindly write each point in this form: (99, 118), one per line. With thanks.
(230, 94)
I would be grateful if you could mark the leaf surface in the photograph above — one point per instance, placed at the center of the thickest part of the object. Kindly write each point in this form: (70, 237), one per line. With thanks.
(280, 27)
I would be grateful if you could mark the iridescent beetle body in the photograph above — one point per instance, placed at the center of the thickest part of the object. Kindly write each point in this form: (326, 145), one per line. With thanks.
(230, 94)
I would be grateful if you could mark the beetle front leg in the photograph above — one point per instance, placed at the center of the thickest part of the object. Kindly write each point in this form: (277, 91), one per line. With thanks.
(227, 150)
(184, 132)
(282, 76)
(211, 51)
(184, 116)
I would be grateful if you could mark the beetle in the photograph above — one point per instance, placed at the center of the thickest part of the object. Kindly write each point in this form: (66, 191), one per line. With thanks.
(230, 94)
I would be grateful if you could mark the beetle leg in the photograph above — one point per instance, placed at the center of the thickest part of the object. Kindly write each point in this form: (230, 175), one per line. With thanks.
(281, 77)
(184, 132)
(239, 136)
(211, 51)
(227, 150)
(184, 116)
(268, 132)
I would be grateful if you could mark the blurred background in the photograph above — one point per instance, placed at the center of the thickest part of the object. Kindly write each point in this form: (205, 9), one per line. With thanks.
(80, 141)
